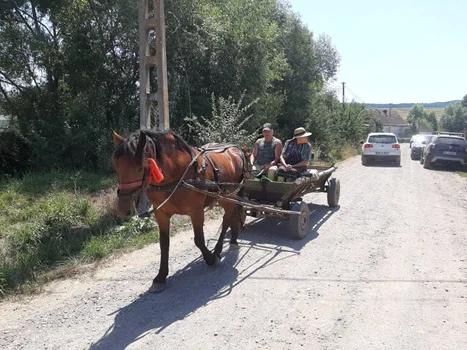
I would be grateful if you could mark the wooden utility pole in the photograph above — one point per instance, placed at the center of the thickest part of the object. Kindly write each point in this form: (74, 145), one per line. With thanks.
(390, 116)
(147, 25)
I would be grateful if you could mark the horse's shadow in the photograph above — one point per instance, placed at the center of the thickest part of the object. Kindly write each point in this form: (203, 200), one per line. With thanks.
(188, 289)
(197, 285)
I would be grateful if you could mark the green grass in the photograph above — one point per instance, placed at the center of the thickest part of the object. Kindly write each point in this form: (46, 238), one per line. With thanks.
(54, 220)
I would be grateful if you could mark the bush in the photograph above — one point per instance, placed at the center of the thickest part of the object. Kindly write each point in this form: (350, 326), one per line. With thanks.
(14, 152)
(225, 126)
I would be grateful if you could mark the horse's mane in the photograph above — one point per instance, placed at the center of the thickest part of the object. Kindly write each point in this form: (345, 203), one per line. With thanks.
(154, 139)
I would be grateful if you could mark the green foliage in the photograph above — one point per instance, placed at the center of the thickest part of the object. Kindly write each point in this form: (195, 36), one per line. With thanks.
(135, 233)
(432, 120)
(14, 152)
(225, 126)
(418, 116)
(464, 101)
(69, 71)
(47, 218)
(415, 114)
(454, 118)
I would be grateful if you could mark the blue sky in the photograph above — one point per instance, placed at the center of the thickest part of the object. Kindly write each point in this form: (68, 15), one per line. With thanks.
(397, 51)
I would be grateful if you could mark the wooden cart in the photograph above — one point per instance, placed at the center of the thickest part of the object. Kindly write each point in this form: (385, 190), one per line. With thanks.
(271, 199)
(284, 200)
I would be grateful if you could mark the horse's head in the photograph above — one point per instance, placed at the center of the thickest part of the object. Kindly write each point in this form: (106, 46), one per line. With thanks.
(136, 167)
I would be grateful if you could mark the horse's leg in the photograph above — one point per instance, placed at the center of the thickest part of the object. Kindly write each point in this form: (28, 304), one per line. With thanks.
(159, 283)
(197, 219)
(226, 221)
(220, 241)
(237, 221)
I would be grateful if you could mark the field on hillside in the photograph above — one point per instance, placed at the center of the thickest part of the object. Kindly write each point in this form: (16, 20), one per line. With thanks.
(404, 112)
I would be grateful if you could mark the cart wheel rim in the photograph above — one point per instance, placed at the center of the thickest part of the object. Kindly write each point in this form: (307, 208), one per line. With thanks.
(303, 221)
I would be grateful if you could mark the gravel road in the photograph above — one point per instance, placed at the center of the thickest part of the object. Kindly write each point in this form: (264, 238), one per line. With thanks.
(387, 269)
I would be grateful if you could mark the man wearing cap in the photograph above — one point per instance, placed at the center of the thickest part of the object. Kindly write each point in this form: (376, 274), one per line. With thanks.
(267, 152)
(297, 152)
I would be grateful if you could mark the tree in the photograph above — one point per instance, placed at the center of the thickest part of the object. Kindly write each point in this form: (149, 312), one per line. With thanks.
(68, 72)
(464, 101)
(454, 118)
(415, 114)
(432, 121)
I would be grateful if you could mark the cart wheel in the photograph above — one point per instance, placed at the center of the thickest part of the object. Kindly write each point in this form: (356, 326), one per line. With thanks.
(298, 224)
(334, 191)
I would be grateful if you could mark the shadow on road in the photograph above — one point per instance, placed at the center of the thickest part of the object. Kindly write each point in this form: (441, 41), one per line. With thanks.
(188, 290)
(276, 232)
(381, 165)
(197, 285)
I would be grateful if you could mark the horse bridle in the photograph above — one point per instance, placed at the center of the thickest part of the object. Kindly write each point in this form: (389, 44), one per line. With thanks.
(133, 189)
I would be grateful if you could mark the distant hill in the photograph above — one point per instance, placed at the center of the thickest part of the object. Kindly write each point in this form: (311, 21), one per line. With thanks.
(410, 105)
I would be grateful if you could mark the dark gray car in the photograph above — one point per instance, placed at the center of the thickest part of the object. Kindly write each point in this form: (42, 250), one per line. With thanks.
(445, 150)
(418, 144)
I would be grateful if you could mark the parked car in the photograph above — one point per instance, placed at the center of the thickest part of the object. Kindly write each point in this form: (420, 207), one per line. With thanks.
(445, 150)
(381, 146)
(418, 144)
(414, 137)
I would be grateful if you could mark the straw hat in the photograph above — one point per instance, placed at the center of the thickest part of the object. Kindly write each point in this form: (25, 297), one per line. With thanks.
(300, 132)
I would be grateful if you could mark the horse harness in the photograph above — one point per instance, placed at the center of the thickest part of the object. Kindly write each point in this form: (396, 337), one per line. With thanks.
(206, 161)
(132, 190)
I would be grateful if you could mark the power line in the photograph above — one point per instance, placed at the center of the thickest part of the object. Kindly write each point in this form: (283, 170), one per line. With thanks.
(354, 95)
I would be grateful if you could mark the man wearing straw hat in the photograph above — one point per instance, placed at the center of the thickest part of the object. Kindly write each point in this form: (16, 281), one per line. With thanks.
(296, 153)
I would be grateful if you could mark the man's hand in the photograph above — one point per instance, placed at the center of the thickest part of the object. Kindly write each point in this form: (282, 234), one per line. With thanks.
(288, 167)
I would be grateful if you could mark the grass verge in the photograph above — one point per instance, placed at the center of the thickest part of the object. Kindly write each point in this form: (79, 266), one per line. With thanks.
(51, 222)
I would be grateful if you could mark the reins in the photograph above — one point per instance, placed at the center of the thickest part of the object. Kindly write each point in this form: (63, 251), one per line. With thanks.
(153, 210)
(202, 151)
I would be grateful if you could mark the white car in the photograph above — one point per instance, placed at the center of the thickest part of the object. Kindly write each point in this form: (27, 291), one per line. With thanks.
(381, 146)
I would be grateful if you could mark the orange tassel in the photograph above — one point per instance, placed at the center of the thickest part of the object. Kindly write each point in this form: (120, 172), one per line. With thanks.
(154, 171)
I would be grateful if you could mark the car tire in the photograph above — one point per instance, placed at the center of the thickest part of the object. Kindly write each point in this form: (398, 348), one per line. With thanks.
(364, 161)
(412, 156)
(421, 160)
(397, 162)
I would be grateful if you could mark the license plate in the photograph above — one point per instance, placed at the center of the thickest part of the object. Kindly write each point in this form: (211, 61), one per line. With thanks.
(450, 153)
(383, 153)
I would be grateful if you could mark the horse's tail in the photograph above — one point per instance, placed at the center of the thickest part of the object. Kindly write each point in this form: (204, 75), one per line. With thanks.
(237, 221)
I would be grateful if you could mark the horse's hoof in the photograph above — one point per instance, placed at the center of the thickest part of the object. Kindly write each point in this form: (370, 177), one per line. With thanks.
(157, 287)
(217, 261)
(234, 246)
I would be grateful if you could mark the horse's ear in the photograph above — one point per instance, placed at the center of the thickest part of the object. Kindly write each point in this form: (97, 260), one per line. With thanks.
(118, 140)
(141, 143)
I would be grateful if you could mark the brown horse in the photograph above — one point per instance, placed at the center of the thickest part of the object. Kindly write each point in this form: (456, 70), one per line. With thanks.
(157, 162)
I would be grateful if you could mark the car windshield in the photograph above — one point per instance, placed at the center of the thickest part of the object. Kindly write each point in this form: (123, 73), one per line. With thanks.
(382, 139)
(425, 138)
(450, 141)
